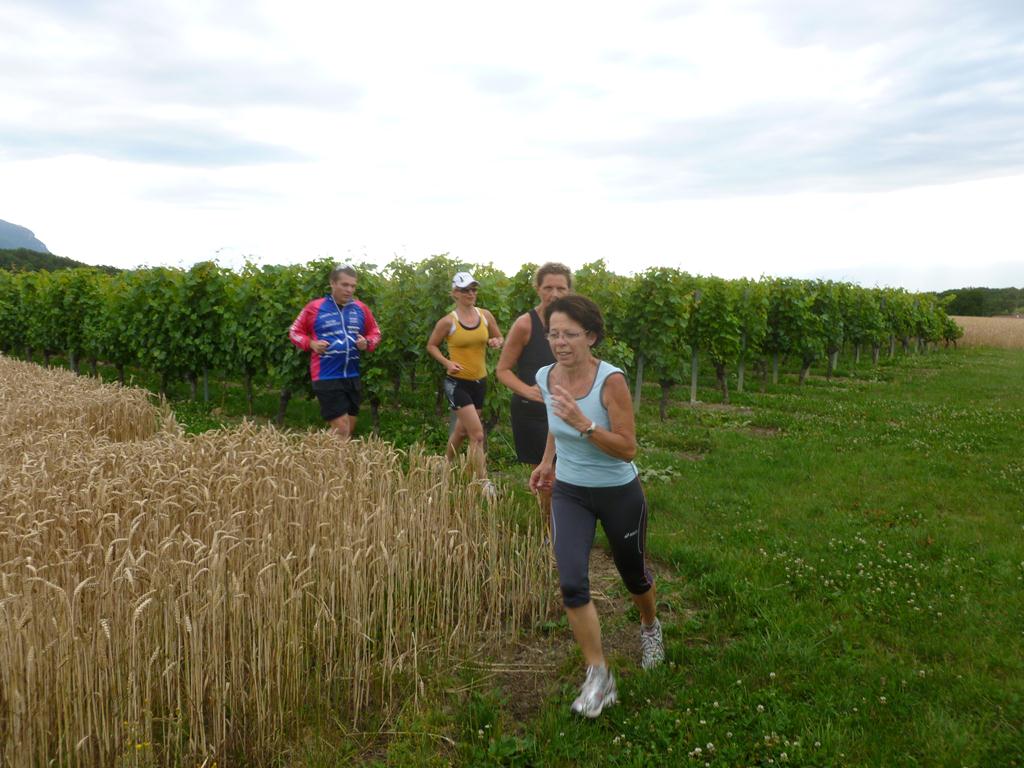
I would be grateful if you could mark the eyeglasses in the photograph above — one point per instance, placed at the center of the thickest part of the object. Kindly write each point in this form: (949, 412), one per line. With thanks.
(471, 289)
(567, 335)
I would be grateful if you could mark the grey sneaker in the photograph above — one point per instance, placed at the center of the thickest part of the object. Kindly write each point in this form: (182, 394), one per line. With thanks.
(652, 645)
(598, 692)
(488, 489)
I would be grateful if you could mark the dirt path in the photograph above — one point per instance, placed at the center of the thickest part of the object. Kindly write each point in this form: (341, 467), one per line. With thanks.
(535, 671)
(545, 666)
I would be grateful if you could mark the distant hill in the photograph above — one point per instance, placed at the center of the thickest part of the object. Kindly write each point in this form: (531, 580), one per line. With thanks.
(13, 236)
(30, 261)
(985, 302)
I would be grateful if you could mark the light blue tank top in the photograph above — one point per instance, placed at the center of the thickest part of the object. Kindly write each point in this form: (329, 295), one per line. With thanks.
(579, 461)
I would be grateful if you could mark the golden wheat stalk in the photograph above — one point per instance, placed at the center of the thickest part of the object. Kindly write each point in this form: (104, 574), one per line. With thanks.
(166, 599)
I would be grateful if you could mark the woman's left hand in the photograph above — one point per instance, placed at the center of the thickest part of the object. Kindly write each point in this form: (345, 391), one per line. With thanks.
(565, 407)
(494, 342)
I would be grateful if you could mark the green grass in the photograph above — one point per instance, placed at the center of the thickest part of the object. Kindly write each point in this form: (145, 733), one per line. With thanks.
(842, 580)
(852, 553)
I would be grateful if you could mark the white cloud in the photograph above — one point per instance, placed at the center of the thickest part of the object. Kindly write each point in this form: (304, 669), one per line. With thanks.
(875, 141)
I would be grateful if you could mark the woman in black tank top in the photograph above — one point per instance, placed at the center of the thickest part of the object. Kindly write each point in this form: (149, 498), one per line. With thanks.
(527, 350)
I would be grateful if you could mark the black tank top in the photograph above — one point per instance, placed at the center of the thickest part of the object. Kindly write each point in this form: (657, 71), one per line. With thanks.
(537, 352)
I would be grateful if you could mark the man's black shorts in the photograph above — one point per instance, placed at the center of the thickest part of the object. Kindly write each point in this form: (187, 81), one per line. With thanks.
(461, 392)
(338, 397)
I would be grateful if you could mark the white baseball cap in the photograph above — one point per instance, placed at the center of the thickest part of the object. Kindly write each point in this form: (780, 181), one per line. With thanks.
(464, 280)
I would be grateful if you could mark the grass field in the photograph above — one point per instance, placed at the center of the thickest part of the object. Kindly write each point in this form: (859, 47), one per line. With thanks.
(999, 332)
(841, 580)
(841, 576)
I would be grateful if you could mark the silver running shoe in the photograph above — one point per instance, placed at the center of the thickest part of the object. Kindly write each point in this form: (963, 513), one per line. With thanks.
(487, 488)
(598, 692)
(652, 646)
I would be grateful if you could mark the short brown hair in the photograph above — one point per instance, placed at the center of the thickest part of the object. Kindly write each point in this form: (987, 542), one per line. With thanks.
(343, 269)
(552, 268)
(581, 309)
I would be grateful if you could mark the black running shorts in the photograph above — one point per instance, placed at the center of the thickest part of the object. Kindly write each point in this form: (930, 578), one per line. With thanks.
(338, 397)
(461, 392)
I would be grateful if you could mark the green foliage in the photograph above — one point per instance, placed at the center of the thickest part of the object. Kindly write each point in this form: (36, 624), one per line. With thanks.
(40, 301)
(863, 319)
(929, 317)
(178, 323)
(205, 291)
(793, 326)
(27, 260)
(12, 315)
(495, 291)
(714, 326)
(609, 291)
(657, 321)
(108, 331)
(79, 297)
(262, 302)
(157, 316)
(830, 302)
(413, 299)
(898, 313)
(984, 302)
(403, 330)
(950, 330)
(522, 296)
(752, 312)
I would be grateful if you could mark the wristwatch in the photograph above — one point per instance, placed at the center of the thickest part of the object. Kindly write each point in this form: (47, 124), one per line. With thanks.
(589, 430)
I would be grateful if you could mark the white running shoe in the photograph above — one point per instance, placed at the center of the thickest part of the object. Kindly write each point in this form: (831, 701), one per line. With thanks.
(652, 645)
(598, 692)
(487, 488)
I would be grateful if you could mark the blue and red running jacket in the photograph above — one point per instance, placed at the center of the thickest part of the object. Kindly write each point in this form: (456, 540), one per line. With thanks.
(339, 326)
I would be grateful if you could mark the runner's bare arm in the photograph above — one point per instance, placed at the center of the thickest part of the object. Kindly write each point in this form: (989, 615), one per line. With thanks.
(438, 335)
(543, 477)
(515, 343)
(494, 336)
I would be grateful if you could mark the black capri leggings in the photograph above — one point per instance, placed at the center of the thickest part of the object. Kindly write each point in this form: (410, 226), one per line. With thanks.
(622, 510)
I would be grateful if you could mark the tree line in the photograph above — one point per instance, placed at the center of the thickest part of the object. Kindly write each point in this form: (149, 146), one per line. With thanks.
(28, 260)
(663, 324)
(984, 302)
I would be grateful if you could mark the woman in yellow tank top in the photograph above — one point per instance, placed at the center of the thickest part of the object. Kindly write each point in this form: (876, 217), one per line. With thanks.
(468, 331)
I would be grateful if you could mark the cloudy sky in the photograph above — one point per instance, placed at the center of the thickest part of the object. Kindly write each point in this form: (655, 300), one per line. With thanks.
(876, 141)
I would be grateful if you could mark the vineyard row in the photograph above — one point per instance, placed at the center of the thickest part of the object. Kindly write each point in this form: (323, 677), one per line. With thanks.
(182, 324)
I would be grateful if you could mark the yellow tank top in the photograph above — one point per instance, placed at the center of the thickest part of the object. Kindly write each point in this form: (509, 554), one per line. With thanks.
(468, 348)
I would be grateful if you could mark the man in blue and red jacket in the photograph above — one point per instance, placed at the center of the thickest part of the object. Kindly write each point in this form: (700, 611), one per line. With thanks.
(337, 329)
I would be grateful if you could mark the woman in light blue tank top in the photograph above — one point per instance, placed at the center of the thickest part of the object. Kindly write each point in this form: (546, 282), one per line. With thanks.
(592, 434)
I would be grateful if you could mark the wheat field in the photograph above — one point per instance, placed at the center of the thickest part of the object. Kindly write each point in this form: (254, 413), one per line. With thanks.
(172, 600)
(1002, 332)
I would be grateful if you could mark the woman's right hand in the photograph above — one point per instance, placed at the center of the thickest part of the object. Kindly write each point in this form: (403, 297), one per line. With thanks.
(452, 367)
(542, 478)
(534, 395)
